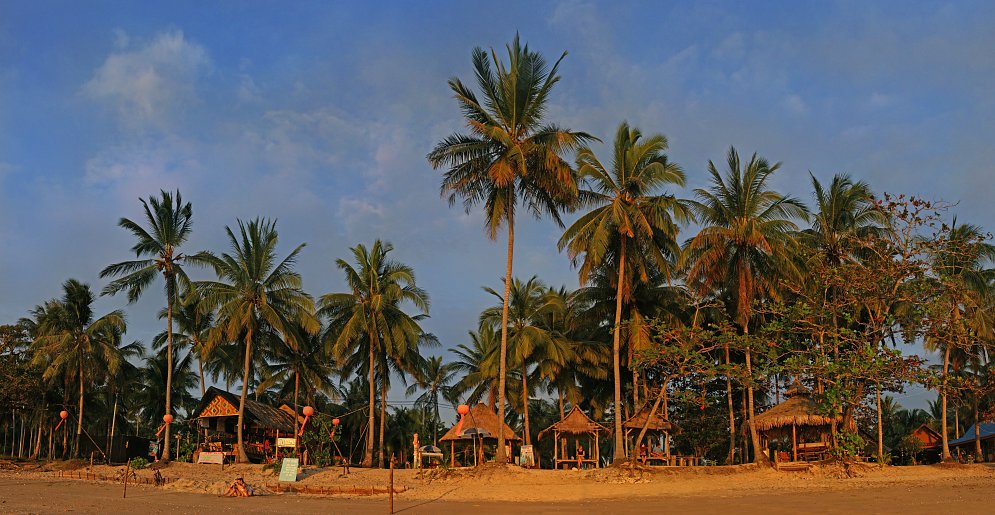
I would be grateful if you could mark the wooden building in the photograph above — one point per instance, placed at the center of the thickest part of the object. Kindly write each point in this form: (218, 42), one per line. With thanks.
(217, 417)
(804, 433)
(577, 424)
(659, 425)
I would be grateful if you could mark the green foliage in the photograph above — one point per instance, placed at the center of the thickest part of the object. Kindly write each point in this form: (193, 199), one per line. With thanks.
(139, 463)
(847, 444)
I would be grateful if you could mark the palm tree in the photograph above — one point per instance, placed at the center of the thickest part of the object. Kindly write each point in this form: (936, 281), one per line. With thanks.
(961, 266)
(478, 362)
(153, 377)
(304, 358)
(436, 379)
(527, 335)
(168, 227)
(73, 343)
(632, 225)
(745, 246)
(844, 213)
(369, 321)
(254, 288)
(510, 155)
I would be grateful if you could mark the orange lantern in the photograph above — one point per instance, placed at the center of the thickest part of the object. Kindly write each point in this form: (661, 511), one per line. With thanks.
(308, 411)
(462, 409)
(64, 414)
(336, 421)
(167, 418)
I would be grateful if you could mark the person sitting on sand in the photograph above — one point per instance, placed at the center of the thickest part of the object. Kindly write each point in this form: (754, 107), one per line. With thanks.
(239, 489)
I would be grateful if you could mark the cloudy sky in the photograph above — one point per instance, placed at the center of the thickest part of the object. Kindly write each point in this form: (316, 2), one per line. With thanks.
(320, 114)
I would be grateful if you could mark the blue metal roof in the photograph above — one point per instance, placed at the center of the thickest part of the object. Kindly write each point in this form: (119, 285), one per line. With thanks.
(987, 431)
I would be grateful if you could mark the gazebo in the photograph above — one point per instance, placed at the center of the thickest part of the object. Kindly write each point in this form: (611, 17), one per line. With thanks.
(809, 431)
(480, 423)
(658, 424)
(577, 424)
(217, 417)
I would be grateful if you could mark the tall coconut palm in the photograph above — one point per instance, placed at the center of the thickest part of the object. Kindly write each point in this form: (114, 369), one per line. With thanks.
(632, 226)
(526, 333)
(168, 225)
(745, 245)
(370, 319)
(436, 379)
(510, 157)
(254, 288)
(73, 343)
(962, 265)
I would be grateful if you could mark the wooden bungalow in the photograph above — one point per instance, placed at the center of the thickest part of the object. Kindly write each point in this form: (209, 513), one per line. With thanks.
(217, 417)
(658, 425)
(796, 421)
(479, 426)
(577, 424)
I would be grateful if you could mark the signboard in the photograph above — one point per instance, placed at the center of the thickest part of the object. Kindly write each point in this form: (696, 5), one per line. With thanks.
(288, 472)
(285, 442)
(528, 456)
(211, 457)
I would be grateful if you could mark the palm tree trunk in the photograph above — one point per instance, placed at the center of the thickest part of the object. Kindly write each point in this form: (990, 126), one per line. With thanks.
(978, 455)
(943, 406)
(297, 428)
(758, 455)
(242, 457)
(880, 428)
(170, 287)
(616, 369)
(79, 427)
(110, 446)
(563, 441)
(200, 367)
(503, 365)
(525, 405)
(383, 416)
(368, 456)
(732, 412)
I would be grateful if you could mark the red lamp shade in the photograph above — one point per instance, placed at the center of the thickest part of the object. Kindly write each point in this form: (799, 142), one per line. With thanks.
(462, 409)
(336, 421)
(167, 418)
(308, 411)
(64, 414)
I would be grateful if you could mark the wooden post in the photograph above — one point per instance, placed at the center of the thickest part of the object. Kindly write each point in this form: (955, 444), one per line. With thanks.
(794, 442)
(127, 472)
(597, 452)
(391, 483)
(556, 455)
(452, 453)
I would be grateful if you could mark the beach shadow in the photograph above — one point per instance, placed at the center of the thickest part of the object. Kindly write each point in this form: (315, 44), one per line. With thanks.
(423, 503)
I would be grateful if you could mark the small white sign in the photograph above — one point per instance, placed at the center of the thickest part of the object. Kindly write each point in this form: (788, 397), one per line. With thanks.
(285, 442)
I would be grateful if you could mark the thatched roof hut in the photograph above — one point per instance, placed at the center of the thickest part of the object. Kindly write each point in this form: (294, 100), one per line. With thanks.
(576, 422)
(219, 404)
(797, 410)
(658, 423)
(480, 416)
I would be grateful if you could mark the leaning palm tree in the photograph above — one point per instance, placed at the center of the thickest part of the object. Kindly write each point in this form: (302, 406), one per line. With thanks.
(510, 156)
(745, 245)
(73, 343)
(632, 226)
(157, 249)
(369, 321)
(254, 289)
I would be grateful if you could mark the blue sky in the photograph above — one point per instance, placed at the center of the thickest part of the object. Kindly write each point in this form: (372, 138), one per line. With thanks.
(320, 114)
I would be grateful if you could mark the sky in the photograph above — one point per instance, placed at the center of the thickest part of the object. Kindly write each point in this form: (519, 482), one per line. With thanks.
(320, 114)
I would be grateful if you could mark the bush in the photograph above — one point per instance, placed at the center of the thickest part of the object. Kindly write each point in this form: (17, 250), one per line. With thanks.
(139, 463)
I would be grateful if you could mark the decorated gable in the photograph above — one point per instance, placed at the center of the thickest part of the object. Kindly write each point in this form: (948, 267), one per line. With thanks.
(219, 407)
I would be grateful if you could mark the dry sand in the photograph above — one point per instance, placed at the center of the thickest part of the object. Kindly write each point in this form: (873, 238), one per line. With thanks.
(866, 489)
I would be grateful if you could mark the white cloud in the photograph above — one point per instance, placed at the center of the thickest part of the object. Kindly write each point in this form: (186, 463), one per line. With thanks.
(795, 104)
(148, 83)
(881, 100)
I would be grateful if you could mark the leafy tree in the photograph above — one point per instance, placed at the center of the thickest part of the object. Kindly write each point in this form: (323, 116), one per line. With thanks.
(157, 249)
(369, 321)
(254, 288)
(436, 379)
(510, 157)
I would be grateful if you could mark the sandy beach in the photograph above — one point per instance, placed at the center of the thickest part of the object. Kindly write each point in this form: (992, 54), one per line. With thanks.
(923, 489)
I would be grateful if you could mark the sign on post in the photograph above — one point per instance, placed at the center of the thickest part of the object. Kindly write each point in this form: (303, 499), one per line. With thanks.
(288, 472)
(285, 442)
(211, 457)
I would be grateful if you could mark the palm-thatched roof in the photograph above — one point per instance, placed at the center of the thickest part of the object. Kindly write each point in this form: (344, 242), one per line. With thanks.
(481, 417)
(659, 421)
(225, 404)
(576, 423)
(798, 410)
